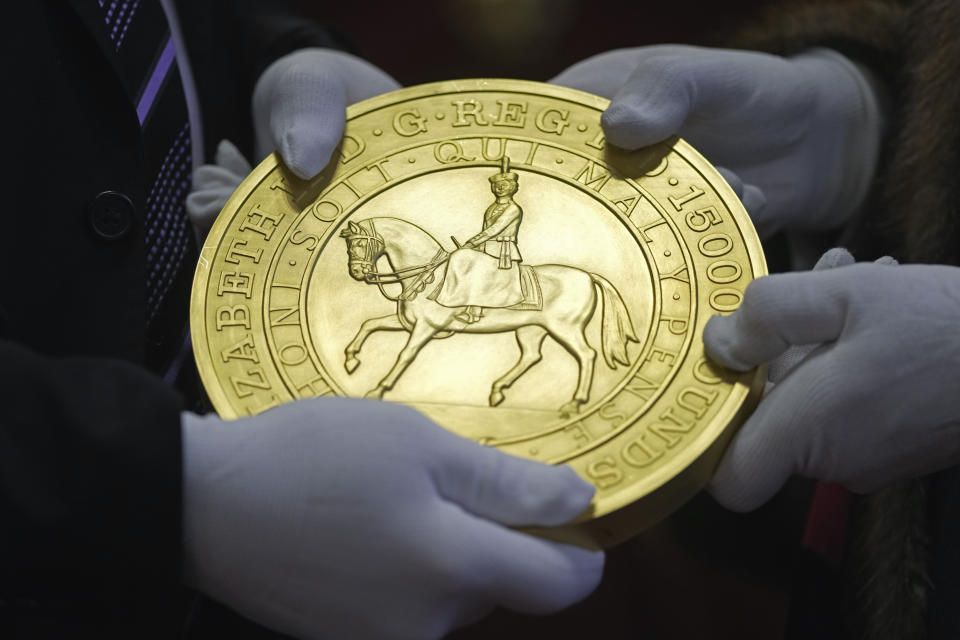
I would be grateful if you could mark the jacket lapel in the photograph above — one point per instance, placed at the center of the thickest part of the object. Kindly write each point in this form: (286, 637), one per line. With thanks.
(92, 16)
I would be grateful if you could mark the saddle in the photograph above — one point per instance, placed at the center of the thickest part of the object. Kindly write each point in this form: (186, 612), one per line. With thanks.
(530, 286)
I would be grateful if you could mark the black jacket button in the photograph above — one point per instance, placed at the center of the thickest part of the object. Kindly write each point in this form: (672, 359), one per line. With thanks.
(111, 215)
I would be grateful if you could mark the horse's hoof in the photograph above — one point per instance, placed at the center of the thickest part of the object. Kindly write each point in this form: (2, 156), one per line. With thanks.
(570, 408)
(351, 364)
(376, 393)
(496, 397)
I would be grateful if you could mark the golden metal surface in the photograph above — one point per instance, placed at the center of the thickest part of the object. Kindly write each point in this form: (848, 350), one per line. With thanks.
(592, 358)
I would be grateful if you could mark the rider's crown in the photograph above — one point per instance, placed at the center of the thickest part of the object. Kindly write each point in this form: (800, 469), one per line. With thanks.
(505, 173)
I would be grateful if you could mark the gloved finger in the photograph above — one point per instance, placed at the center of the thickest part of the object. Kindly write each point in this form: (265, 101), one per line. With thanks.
(525, 573)
(755, 202)
(510, 490)
(779, 368)
(210, 176)
(735, 182)
(230, 158)
(886, 261)
(672, 85)
(603, 74)
(752, 198)
(203, 207)
(768, 447)
(833, 258)
(777, 311)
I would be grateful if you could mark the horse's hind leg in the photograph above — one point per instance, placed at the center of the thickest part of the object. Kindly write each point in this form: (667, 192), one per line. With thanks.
(574, 341)
(384, 323)
(530, 339)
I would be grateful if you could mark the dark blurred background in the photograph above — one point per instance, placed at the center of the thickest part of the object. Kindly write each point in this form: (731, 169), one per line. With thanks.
(430, 40)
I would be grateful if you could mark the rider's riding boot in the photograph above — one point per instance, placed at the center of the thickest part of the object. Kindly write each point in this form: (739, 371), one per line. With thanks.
(470, 315)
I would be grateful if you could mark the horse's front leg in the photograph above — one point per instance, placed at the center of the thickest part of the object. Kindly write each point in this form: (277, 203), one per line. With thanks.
(385, 323)
(419, 336)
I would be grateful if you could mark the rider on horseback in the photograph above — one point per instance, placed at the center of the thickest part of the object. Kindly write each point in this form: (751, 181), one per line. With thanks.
(483, 272)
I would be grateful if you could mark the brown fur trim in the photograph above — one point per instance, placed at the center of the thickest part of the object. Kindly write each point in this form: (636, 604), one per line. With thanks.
(886, 571)
(868, 30)
(920, 186)
(913, 214)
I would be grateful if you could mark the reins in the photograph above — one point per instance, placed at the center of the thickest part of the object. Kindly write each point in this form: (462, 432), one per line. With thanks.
(394, 277)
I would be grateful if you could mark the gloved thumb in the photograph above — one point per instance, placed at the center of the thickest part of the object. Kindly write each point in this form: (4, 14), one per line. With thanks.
(779, 368)
(832, 259)
(507, 489)
(300, 101)
(777, 312)
(753, 198)
(299, 110)
(649, 101)
(655, 100)
(674, 85)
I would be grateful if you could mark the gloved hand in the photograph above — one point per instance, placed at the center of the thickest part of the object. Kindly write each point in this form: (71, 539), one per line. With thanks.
(797, 138)
(343, 518)
(875, 402)
(299, 109)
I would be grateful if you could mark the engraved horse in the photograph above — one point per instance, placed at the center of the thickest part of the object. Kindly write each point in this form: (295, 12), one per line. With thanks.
(417, 260)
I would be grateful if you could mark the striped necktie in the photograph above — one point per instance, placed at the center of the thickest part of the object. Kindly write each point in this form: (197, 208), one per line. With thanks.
(146, 59)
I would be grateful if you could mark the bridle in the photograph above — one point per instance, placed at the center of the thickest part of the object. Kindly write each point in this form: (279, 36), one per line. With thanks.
(374, 249)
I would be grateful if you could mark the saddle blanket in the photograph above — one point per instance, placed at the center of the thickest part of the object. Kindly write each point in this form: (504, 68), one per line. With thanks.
(530, 286)
(475, 278)
(486, 285)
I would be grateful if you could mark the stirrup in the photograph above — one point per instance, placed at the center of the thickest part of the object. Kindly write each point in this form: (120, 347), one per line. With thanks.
(469, 316)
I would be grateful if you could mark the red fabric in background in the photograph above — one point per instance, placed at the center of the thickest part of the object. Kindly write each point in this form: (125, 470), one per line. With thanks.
(825, 532)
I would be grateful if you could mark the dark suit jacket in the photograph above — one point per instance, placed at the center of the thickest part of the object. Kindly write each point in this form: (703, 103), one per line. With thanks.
(90, 460)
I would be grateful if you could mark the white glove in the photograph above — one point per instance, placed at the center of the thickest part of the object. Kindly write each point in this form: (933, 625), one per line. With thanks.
(875, 403)
(798, 138)
(300, 102)
(213, 184)
(299, 109)
(342, 518)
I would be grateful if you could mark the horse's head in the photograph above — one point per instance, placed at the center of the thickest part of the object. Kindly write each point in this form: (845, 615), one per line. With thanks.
(364, 248)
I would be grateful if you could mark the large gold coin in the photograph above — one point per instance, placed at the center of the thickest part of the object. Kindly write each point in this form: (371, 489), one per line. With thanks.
(476, 251)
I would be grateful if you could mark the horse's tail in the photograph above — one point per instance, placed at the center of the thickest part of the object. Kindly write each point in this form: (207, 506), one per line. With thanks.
(617, 329)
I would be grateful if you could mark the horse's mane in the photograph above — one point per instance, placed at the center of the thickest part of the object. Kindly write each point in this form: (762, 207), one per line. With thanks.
(414, 242)
(405, 229)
